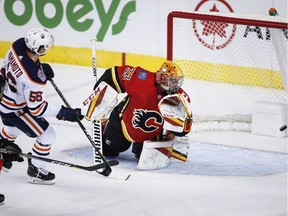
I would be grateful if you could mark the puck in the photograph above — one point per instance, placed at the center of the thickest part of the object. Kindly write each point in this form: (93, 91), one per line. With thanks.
(284, 127)
(2, 198)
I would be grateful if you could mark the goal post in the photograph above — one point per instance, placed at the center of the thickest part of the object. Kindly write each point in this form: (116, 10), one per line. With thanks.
(230, 61)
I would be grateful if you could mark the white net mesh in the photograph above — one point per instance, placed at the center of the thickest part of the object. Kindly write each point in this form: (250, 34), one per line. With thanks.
(231, 66)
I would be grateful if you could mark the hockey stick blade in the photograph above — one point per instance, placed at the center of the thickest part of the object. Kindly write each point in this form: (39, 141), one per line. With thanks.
(66, 164)
(62, 163)
(103, 165)
(121, 175)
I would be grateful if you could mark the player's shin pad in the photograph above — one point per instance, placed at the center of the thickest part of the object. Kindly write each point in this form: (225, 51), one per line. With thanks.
(155, 154)
(100, 103)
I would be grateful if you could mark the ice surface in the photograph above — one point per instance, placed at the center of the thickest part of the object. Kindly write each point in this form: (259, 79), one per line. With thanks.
(243, 174)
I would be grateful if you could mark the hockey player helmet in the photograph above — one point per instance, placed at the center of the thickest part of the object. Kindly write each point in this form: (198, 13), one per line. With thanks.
(170, 77)
(39, 41)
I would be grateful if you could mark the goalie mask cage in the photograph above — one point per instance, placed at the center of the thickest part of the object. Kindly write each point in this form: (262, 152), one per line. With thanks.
(230, 62)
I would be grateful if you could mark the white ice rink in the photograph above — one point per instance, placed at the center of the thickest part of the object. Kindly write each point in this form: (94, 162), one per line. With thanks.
(239, 175)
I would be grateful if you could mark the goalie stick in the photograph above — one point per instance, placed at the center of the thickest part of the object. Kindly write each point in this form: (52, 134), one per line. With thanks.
(96, 127)
(62, 163)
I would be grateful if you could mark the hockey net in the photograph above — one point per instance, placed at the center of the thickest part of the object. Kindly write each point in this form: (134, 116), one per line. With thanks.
(230, 62)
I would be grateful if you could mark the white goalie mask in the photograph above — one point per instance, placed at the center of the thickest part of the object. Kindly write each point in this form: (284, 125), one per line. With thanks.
(39, 41)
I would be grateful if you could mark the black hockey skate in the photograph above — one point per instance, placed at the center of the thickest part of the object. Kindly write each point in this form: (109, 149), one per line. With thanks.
(2, 198)
(39, 175)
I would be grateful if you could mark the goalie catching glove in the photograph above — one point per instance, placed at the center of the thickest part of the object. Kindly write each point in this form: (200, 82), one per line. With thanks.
(177, 114)
(100, 103)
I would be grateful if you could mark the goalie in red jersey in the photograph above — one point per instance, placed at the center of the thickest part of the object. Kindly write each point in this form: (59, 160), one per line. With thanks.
(138, 117)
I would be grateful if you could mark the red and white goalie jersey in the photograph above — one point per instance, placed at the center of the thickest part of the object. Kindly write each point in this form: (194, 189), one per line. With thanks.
(139, 113)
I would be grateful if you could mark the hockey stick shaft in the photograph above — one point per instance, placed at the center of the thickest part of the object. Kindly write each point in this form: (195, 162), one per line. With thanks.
(93, 40)
(107, 170)
(62, 163)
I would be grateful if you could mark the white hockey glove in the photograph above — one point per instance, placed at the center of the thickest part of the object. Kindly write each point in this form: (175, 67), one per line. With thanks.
(100, 103)
(176, 112)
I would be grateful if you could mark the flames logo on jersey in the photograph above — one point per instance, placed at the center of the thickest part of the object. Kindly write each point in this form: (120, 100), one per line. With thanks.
(147, 121)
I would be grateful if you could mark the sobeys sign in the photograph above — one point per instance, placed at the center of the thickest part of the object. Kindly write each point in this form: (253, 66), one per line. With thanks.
(74, 10)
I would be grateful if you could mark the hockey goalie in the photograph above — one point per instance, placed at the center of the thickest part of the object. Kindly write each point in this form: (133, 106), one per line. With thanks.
(154, 116)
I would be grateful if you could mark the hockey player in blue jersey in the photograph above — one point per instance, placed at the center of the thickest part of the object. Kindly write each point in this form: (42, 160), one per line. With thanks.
(23, 106)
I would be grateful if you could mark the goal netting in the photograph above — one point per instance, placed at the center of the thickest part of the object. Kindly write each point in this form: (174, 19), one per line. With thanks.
(230, 61)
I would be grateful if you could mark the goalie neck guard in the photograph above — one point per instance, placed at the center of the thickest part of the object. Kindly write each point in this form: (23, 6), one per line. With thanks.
(170, 77)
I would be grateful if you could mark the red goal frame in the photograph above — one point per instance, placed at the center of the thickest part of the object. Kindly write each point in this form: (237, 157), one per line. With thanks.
(212, 17)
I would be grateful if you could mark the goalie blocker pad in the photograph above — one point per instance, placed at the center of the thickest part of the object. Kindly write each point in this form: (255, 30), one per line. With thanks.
(158, 154)
(100, 102)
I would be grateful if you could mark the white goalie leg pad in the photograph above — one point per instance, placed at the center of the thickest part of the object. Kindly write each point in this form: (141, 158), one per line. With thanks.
(155, 154)
(180, 149)
(100, 102)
